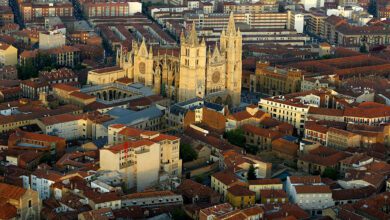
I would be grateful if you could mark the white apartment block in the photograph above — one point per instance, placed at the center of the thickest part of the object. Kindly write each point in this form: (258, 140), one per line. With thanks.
(309, 193)
(41, 181)
(68, 126)
(139, 160)
(288, 111)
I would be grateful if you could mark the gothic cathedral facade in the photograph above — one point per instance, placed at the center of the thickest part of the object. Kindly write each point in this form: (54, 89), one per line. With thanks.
(194, 71)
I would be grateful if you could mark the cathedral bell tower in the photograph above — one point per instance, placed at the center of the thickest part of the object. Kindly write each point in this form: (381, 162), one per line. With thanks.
(192, 73)
(231, 47)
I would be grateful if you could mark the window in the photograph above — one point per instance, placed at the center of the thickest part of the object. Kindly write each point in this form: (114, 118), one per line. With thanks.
(29, 203)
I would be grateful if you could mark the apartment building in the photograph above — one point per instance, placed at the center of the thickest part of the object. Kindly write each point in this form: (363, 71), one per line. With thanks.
(51, 39)
(41, 180)
(106, 9)
(137, 160)
(275, 81)
(32, 11)
(342, 139)
(291, 111)
(259, 185)
(258, 7)
(309, 193)
(260, 137)
(316, 22)
(68, 126)
(169, 160)
(8, 54)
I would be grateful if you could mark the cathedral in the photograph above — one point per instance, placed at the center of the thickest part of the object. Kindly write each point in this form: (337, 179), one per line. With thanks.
(194, 70)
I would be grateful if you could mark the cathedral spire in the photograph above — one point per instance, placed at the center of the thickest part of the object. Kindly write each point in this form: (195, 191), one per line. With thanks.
(231, 28)
(143, 50)
(182, 37)
(193, 36)
(150, 51)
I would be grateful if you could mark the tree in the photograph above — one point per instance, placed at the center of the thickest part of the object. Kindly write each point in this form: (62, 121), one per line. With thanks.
(330, 173)
(179, 214)
(251, 149)
(236, 137)
(187, 153)
(363, 49)
(251, 175)
(200, 178)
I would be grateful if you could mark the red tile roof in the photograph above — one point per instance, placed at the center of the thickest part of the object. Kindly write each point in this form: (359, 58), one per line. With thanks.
(305, 179)
(265, 181)
(226, 177)
(312, 189)
(239, 190)
(56, 119)
(65, 87)
(11, 192)
(261, 131)
(130, 144)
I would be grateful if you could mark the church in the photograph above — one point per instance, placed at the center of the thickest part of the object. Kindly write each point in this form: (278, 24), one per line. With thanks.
(193, 70)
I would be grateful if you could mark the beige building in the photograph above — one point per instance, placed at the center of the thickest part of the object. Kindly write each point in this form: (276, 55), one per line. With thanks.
(342, 139)
(264, 184)
(160, 152)
(138, 160)
(193, 71)
(19, 203)
(72, 95)
(8, 54)
(275, 81)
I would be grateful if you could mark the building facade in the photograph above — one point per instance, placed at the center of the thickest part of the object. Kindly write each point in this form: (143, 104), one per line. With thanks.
(193, 71)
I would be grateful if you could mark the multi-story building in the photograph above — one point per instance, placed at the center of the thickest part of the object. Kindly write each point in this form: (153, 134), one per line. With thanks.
(275, 81)
(169, 160)
(291, 111)
(32, 11)
(8, 54)
(105, 9)
(72, 95)
(138, 160)
(264, 20)
(259, 185)
(274, 196)
(41, 180)
(240, 196)
(33, 87)
(315, 24)
(223, 180)
(258, 7)
(19, 203)
(23, 140)
(260, 137)
(6, 15)
(251, 115)
(68, 126)
(51, 39)
(342, 139)
(8, 72)
(309, 193)
(63, 75)
(152, 199)
(68, 56)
